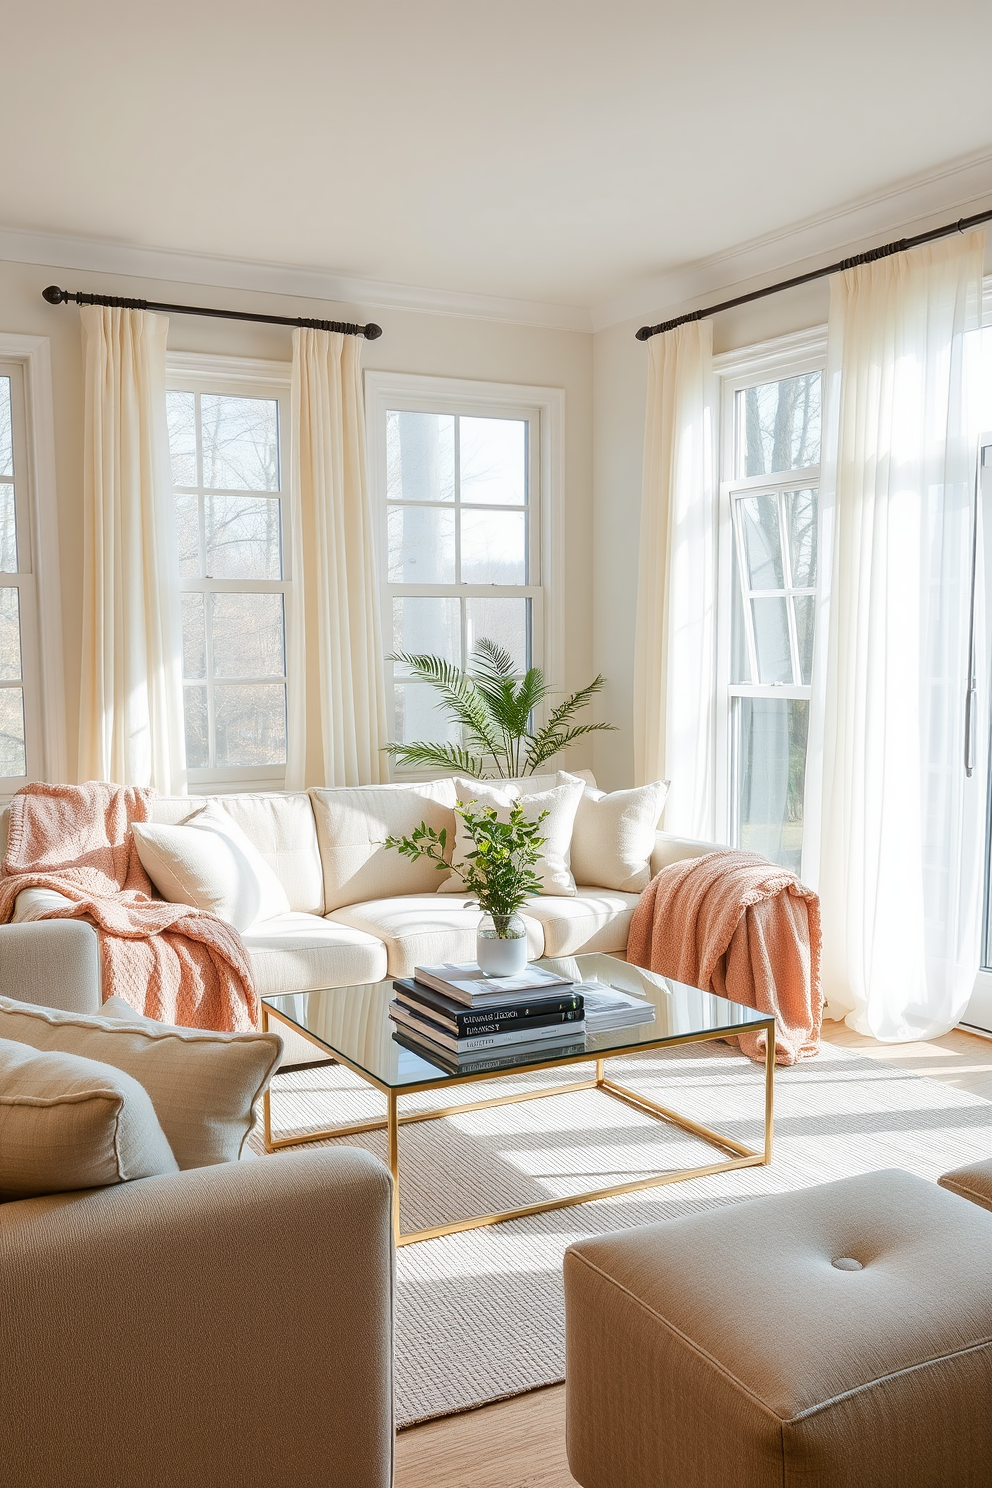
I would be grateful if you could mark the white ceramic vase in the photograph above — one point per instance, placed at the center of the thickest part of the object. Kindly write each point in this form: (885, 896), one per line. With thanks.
(501, 945)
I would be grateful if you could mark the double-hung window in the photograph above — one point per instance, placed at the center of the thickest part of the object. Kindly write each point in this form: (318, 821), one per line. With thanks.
(228, 434)
(462, 474)
(769, 498)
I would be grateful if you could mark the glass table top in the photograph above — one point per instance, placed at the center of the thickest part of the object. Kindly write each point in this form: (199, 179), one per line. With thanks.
(353, 1025)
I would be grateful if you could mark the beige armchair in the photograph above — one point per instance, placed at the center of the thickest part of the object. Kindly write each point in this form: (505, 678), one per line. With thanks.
(223, 1327)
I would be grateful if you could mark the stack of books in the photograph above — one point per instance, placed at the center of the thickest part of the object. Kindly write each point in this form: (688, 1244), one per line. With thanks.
(455, 1012)
(608, 1008)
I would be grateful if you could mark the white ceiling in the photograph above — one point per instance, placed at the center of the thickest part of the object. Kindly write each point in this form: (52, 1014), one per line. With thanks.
(566, 151)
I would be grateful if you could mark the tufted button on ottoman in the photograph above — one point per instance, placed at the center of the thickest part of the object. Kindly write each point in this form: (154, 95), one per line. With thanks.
(837, 1337)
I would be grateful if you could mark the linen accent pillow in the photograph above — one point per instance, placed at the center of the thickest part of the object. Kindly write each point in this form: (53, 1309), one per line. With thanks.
(613, 836)
(203, 1085)
(561, 804)
(354, 821)
(208, 862)
(69, 1123)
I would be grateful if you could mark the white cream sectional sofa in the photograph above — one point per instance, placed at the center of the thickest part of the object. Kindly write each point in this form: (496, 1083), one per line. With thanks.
(357, 917)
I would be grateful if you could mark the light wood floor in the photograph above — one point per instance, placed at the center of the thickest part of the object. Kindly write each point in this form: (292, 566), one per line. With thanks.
(520, 1443)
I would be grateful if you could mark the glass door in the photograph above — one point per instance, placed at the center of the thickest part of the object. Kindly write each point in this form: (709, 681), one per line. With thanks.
(978, 1014)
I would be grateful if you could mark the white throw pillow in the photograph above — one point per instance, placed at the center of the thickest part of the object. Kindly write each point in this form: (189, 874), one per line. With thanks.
(561, 804)
(354, 821)
(203, 1085)
(613, 836)
(68, 1123)
(208, 862)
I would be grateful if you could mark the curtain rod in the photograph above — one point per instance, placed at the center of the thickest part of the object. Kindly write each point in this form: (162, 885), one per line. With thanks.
(962, 225)
(56, 296)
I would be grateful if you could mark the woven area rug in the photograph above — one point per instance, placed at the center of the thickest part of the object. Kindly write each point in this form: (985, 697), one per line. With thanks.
(480, 1315)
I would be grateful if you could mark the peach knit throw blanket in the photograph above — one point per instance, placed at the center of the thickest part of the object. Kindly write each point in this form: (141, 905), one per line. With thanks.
(734, 923)
(171, 962)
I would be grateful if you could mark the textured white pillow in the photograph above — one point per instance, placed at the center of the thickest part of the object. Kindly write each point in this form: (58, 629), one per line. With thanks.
(354, 821)
(208, 862)
(203, 1085)
(561, 804)
(68, 1123)
(613, 836)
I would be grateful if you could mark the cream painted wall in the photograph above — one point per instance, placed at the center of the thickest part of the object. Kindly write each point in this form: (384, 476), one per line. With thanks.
(440, 345)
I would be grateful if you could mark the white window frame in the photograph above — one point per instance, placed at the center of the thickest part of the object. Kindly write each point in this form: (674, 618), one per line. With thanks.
(544, 409)
(767, 361)
(27, 359)
(246, 377)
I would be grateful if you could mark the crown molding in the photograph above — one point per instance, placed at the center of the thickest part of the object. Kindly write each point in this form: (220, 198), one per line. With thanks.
(92, 255)
(911, 206)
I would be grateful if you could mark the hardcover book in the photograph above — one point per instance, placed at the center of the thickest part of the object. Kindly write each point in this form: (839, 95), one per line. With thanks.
(565, 1007)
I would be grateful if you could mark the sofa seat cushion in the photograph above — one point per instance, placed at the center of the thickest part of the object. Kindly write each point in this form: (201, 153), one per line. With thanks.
(595, 920)
(301, 952)
(424, 929)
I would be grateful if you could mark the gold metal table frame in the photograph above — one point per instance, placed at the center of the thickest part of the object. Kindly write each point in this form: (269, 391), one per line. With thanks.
(739, 1155)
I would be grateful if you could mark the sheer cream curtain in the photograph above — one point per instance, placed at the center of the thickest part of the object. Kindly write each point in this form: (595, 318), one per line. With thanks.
(898, 858)
(336, 692)
(675, 637)
(131, 700)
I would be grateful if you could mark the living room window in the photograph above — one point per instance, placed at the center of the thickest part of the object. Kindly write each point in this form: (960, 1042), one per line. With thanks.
(229, 469)
(463, 474)
(769, 522)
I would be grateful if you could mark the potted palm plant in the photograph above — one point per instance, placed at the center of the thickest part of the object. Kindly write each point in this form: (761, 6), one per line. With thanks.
(495, 708)
(498, 872)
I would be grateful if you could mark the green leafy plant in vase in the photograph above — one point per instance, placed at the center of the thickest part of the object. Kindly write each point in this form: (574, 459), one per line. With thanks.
(495, 708)
(498, 872)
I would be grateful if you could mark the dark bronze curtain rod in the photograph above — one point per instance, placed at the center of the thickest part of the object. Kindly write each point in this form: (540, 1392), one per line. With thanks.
(963, 225)
(56, 296)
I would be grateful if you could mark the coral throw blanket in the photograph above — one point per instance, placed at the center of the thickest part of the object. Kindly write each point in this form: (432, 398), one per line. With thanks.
(168, 961)
(736, 924)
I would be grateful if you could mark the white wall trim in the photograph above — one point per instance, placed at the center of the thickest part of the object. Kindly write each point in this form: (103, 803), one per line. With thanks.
(772, 356)
(34, 355)
(92, 255)
(207, 365)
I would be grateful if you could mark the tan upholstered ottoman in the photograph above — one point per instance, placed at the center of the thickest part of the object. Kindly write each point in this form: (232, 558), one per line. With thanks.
(972, 1182)
(838, 1337)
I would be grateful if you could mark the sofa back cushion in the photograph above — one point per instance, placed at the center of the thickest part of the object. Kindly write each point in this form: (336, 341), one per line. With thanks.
(560, 805)
(68, 1122)
(210, 863)
(279, 824)
(613, 836)
(353, 822)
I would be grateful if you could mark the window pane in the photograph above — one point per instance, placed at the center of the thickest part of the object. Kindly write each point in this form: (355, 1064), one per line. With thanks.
(6, 429)
(770, 735)
(427, 626)
(8, 531)
(800, 522)
(805, 619)
(762, 541)
(247, 634)
(779, 425)
(420, 456)
(244, 537)
(740, 661)
(418, 716)
(197, 749)
(494, 547)
(421, 545)
(250, 723)
(194, 636)
(505, 621)
(493, 457)
(181, 408)
(10, 635)
(240, 443)
(13, 760)
(188, 536)
(771, 640)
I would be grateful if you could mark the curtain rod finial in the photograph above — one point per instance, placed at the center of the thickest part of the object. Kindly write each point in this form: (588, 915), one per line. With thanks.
(644, 334)
(54, 295)
(372, 331)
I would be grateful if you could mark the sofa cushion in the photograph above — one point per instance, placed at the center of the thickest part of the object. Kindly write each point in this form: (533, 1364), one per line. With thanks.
(424, 929)
(560, 803)
(302, 952)
(68, 1122)
(202, 1084)
(670, 849)
(354, 821)
(613, 836)
(279, 824)
(211, 863)
(594, 920)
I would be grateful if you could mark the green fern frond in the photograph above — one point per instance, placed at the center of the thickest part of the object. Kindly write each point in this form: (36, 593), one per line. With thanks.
(551, 741)
(437, 757)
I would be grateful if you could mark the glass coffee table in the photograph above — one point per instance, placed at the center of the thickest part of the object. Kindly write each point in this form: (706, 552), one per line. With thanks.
(352, 1025)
